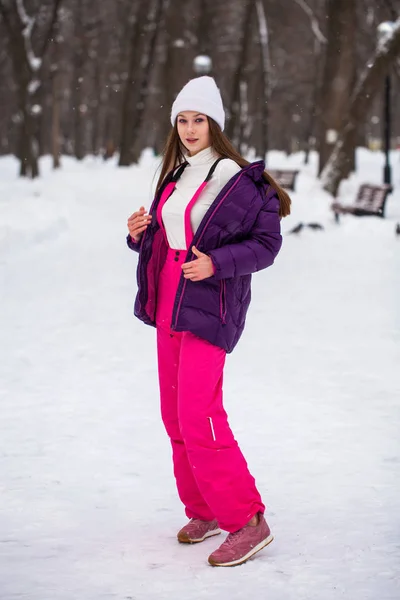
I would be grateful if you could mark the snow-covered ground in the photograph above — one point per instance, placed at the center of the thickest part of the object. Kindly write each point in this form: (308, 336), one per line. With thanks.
(88, 508)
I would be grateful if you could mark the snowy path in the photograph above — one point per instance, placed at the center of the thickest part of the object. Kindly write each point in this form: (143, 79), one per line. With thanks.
(88, 508)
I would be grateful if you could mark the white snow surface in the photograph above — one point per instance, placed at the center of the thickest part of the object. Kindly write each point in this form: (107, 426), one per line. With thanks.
(88, 508)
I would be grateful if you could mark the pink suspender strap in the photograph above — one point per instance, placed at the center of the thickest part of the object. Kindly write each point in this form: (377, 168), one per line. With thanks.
(189, 234)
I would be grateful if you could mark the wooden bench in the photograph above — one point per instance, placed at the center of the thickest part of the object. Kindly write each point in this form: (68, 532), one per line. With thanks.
(286, 178)
(370, 201)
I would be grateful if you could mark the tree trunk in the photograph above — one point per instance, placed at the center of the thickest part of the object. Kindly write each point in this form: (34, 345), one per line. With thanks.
(28, 145)
(129, 94)
(361, 100)
(204, 43)
(27, 70)
(339, 72)
(246, 121)
(55, 123)
(56, 100)
(156, 23)
(96, 107)
(173, 75)
(233, 128)
(265, 75)
(310, 131)
(28, 139)
(109, 147)
(77, 97)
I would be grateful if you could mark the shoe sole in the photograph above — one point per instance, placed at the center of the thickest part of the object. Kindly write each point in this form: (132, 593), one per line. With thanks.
(242, 560)
(184, 538)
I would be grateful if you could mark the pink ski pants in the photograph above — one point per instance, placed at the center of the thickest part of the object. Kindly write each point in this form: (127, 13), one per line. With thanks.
(211, 473)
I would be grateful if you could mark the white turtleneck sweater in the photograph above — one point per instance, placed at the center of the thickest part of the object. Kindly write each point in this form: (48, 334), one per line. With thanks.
(173, 212)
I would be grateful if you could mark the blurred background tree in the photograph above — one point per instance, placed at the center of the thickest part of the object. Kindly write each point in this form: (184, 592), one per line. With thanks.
(81, 77)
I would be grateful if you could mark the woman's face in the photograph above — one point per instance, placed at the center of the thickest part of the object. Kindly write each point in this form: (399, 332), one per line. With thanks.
(193, 131)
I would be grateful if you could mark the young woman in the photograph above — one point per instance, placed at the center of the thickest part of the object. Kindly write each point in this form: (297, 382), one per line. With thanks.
(214, 221)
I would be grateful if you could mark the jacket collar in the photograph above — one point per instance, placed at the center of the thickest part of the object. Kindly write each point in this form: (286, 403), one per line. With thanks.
(205, 157)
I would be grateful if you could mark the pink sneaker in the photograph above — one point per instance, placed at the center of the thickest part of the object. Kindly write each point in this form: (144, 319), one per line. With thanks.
(242, 545)
(197, 531)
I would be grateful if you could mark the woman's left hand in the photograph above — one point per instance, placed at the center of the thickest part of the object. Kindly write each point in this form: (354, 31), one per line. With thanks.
(198, 269)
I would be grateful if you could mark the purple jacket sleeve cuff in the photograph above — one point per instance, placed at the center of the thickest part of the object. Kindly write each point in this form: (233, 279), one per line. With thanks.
(132, 244)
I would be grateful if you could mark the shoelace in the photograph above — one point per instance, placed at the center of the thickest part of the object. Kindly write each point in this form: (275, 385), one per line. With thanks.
(195, 522)
(233, 537)
(199, 521)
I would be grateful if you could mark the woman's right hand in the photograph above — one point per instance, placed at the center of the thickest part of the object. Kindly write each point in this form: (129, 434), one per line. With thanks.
(138, 223)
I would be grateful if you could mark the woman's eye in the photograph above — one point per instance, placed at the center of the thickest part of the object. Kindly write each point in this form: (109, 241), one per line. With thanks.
(199, 120)
(181, 121)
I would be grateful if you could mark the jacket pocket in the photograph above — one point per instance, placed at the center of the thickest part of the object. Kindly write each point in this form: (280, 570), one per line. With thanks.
(222, 302)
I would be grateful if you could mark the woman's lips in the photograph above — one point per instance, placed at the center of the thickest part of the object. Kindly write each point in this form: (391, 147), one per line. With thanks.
(191, 140)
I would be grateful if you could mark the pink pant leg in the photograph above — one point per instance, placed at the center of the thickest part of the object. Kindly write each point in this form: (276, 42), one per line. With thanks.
(219, 466)
(168, 349)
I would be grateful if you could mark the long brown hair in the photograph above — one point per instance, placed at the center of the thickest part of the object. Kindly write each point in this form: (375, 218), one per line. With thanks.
(173, 156)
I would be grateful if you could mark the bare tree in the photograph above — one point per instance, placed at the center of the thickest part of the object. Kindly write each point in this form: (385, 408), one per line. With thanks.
(132, 124)
(233, 129)
(156, 25)
(338, 76)
(113, 78)
(177, 49)
(319, 42)
(226, 30)
(56, 96)
(313, 107)
(265, 74)
(137, 25)
(27, 64)
(315, 26)
(372, 75)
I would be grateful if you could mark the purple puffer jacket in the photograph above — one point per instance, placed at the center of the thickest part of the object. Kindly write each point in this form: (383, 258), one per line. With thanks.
(241, 234)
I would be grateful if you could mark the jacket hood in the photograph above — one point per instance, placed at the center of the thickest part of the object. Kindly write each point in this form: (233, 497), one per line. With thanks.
(255, 171)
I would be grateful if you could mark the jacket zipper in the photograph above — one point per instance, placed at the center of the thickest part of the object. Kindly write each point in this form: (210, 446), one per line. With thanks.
(197, 241)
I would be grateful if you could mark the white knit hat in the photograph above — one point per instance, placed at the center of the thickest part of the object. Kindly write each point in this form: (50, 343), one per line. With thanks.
(203, 95)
